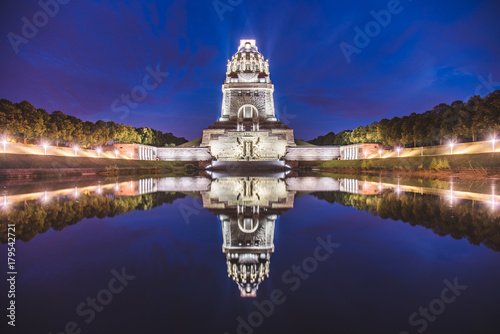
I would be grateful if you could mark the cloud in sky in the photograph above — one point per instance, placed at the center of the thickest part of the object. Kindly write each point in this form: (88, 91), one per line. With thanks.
(92, 52)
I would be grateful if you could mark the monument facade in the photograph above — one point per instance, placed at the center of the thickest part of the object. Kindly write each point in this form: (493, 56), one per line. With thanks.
(248, 129)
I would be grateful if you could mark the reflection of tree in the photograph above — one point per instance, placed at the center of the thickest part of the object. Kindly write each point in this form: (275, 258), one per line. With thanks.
(33, 217)
(478, 223)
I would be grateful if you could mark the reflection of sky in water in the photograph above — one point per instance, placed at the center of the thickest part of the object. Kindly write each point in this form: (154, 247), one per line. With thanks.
(383, 271)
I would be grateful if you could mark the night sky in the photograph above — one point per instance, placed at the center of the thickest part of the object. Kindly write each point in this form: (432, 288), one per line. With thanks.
(90, 53)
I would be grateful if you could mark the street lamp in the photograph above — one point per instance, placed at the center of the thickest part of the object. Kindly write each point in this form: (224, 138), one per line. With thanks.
(131, 155)
(116, 153)
(75, 148)
(44, 145)
(451, 147)
(493, 140)
(98, 152)
(4, 142)
(399, 150)
(380, 153)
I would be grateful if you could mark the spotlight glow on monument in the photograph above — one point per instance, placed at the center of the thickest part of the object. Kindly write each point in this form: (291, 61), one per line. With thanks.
(247, 129)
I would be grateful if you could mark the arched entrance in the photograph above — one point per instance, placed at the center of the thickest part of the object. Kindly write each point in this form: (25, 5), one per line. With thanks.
(246, 114)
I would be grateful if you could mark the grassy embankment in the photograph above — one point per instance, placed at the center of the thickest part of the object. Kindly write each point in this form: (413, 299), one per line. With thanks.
(45, 166)
(479, 164)
(192, 143)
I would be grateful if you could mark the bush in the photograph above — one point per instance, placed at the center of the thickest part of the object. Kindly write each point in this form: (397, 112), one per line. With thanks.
(366, 165)
(433, 164)
(439, 164)
(369, 165)
(443, 164)
(112, 169)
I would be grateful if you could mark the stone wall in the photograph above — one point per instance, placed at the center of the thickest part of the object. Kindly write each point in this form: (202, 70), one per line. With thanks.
(136, 151)
(248, 145)
(184, 154)
(311, 153)
(359, 151)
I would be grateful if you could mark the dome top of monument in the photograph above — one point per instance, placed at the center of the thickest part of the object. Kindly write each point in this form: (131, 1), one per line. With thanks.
(248, 64)
(248, 45)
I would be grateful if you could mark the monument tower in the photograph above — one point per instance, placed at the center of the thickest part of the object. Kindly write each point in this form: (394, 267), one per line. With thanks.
(247, 129)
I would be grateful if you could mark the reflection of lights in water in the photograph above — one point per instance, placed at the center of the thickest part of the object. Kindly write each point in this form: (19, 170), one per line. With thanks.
(380, 186)
(76, 191)
(116, 186)
(98, 188)
(45, 196)
(493, 202)
(451, 194)
(421, 191)
(131, 185)
(4, 200)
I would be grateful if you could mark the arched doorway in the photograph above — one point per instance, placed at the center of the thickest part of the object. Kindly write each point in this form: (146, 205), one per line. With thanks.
(248, 113)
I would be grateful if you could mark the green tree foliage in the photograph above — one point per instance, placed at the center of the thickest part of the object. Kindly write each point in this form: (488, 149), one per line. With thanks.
(476, 119)
(25, 123)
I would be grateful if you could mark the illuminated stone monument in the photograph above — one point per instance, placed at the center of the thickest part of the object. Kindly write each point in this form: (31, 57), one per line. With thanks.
(247, 129)
(247, 134)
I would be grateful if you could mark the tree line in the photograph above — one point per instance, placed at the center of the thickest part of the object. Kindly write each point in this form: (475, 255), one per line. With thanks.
(476, 119)
(27, 124)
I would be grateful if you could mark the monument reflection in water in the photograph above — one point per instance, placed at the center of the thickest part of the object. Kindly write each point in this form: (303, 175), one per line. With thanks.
(248, 208)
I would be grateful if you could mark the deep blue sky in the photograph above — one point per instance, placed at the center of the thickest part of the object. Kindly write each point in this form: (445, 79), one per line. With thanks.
(91, 52)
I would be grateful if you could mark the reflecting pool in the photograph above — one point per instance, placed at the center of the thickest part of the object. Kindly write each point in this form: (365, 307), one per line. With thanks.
(254, 254)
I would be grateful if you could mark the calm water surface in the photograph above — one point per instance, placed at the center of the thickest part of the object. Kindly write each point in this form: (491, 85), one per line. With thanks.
(274, 254)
